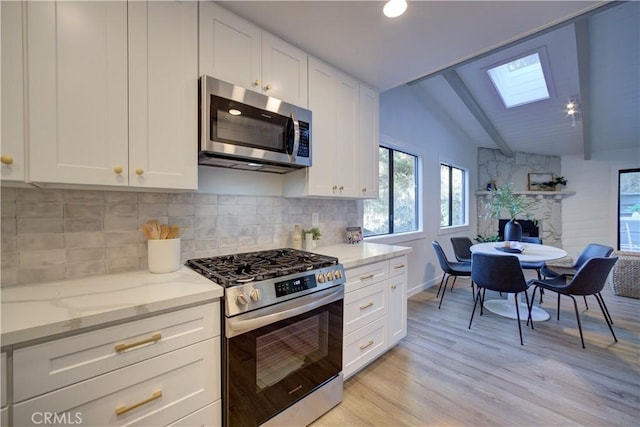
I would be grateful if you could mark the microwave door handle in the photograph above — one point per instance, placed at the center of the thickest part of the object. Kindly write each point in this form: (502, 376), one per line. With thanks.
(296, 136)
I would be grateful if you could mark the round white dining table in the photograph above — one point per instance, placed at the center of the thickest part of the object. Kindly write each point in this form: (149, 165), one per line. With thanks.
(531, 252)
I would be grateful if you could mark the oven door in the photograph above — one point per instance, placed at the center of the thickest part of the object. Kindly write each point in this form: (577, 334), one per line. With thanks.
(277, 355)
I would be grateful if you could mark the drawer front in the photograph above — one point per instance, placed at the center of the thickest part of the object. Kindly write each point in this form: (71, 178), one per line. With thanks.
(4, 416)
(209, 416)
(366, 275)
(155, 392)
(398, 266)
(48, 366)
(364, 306)
(3, 380)
(364, 345)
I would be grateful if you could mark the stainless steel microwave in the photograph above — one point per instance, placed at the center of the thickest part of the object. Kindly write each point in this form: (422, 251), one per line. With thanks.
(242, 129)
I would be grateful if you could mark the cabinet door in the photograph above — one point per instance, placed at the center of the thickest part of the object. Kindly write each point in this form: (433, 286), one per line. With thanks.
(163, 94)
(77, 102)
(397, 308)
(347, 157)
(322, 103)
(284, 71)
(368, 139)
(230, 47)
(12, 167)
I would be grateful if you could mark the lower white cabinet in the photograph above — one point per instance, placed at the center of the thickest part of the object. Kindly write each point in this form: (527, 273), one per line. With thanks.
(160, 370)
(4, 411)
(375, 311)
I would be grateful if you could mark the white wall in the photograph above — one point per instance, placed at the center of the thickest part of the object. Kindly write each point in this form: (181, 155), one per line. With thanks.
(407, 121)
(591, 215)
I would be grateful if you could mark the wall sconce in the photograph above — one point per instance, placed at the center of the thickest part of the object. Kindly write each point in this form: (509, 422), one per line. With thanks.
(573, 110)
(394, 8)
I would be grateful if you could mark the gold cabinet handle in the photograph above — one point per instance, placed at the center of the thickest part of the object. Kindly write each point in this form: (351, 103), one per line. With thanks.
(256, 82)
(341, 187)
(335, 187)
(268, 87)
(363, 346)
(124, 409)
(122, 347)
(6, 159)
(368, 276)
(139, 171)
(364, 189)
(393, 287)
(117, 170)
(398, 266)
(369, 304)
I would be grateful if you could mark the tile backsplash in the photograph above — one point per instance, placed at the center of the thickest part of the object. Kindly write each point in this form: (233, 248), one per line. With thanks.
(62, 234)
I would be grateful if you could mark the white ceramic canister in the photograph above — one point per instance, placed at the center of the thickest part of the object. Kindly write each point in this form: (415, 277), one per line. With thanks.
(163, 255)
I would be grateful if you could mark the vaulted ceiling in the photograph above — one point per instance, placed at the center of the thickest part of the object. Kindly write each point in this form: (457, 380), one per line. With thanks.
(442, 49)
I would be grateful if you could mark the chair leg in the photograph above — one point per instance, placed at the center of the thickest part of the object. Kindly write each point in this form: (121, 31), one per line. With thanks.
(585, 302)
(541, 292)
(454, 282)
(530, 304)
(481, 300)
(558, 306)
(603, 307)
(575, 306)
(443, 292)
(441, 281)
(473, 292)
(475, 302)
(518, 316)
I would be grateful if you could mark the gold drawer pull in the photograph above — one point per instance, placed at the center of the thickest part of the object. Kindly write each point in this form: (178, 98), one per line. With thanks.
(369, 304)
(6, 159)
(368, 276)
(123, 347)
(396, 267)
(393, 287)
(124, 409)
(363, 346)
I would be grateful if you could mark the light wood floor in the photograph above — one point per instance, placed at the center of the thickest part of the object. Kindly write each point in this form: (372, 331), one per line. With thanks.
(443, 374)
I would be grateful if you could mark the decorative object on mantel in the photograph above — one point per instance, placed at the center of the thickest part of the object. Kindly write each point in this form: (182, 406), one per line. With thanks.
(545, 181)
(354, 235)
(503, 199)
(492, 185)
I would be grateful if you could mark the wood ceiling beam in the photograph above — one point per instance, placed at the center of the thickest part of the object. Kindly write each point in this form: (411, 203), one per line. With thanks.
(584, 77)
(461, 89)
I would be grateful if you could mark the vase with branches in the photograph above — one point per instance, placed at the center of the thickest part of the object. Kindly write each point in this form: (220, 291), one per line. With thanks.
(503, 200)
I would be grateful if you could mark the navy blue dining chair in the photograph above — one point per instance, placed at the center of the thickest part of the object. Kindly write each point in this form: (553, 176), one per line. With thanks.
(449, 268)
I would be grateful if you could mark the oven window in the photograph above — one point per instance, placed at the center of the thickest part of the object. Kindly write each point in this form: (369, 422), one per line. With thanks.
(290, 349)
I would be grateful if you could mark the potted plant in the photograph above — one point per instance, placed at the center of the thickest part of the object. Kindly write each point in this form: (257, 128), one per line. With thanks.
(503, 200)
(315, 235)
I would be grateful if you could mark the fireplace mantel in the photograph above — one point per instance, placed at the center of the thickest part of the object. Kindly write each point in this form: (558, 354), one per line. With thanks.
(554, 194)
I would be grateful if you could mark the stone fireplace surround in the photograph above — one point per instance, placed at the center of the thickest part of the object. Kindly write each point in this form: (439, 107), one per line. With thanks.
(513, 171)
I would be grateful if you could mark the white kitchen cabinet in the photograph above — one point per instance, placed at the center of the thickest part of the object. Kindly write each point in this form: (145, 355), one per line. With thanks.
(112, 93)
(154, 371)
(397, 285)
(368, 138)
(12, 159)
(234, 50)
(375, 311)
(344, 138)
(3, 381)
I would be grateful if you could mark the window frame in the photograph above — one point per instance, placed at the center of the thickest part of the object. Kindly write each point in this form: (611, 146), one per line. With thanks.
(392, 236)
(465, 196)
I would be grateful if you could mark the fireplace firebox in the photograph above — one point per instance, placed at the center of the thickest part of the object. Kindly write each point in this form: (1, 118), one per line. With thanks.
(529, 228)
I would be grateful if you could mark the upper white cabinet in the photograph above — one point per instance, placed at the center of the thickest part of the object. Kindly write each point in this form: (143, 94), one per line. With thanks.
(236, 51)
(113, 93)
(344, 138)
(368, 138)
(12, 166)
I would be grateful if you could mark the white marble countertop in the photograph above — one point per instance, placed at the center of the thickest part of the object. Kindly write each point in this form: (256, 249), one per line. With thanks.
(31, 312)
(362, 253)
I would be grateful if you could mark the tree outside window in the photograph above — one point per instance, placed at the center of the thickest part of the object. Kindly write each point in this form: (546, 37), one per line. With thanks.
(453, 210)
(395, 210)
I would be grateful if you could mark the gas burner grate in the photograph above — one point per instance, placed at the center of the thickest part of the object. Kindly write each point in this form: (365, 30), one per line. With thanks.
(237, 269)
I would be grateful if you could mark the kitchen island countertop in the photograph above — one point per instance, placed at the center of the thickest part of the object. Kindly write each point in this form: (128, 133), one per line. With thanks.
(351, 256)
(33, 312)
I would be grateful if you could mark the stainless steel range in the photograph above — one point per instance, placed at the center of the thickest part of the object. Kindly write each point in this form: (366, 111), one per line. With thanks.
(282, 350)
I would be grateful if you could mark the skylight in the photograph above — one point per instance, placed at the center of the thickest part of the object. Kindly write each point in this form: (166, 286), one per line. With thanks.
(520, 82)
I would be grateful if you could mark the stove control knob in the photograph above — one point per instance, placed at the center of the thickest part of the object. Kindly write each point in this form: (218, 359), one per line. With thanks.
(255, 294)
(337, 274)
(321, 278)
(242, 299)
(329, 275)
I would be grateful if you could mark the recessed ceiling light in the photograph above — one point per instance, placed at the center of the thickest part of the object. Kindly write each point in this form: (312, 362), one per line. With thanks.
(394, 8)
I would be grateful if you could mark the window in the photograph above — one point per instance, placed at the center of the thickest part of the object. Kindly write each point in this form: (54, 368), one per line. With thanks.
(629, 210)
(520, 81)
(396, 209)
(453, 196)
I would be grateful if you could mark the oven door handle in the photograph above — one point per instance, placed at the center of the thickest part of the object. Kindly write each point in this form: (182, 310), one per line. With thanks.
(256, 319)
